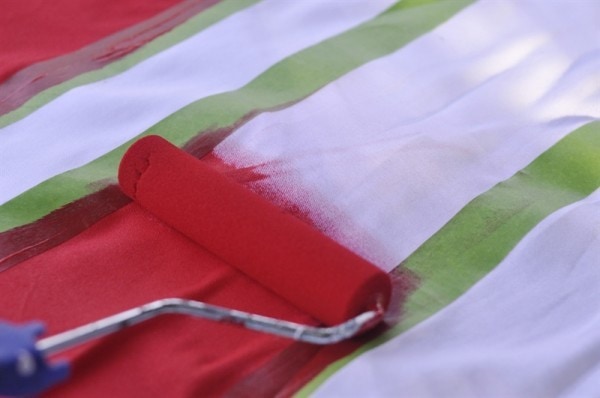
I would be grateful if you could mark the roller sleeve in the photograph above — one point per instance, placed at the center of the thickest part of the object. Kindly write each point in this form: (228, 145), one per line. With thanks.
(274, 248)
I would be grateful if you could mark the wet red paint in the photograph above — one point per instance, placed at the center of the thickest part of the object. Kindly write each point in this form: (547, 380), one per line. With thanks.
(37, 74)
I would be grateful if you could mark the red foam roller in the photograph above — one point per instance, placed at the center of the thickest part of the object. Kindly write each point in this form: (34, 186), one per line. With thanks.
(276, 249)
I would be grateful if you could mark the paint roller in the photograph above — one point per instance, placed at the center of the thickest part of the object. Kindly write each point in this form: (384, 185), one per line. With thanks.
(344, 292)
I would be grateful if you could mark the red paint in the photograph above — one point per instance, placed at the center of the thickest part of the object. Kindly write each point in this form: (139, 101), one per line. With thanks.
(206, 140)
(274, 376)
(35, 75)
(323, 358)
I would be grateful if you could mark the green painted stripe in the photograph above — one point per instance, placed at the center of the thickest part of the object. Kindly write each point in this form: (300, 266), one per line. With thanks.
(284, 83)
(187, 29)
(490, 226)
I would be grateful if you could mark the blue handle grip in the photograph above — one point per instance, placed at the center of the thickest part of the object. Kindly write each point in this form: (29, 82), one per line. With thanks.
(23, 368)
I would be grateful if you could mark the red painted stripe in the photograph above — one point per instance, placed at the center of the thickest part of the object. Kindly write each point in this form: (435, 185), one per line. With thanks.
(38, 76)
(36, 30)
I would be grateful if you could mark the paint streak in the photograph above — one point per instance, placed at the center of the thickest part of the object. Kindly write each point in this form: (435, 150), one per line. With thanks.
(22, 243)
(26, 83)
(286, 188)
(205, 141)
(271, 378)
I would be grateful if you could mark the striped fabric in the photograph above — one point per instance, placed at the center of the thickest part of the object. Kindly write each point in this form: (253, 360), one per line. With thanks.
(453, 143)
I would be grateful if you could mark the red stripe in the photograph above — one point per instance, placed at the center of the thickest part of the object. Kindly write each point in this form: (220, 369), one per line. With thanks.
(36, 30)
(34, 78)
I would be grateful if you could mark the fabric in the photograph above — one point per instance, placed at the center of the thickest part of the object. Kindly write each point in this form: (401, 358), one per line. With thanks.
(451, 143)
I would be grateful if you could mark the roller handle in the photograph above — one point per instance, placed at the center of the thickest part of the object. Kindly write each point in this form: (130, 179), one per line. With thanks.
(23, 367)
(25, 371)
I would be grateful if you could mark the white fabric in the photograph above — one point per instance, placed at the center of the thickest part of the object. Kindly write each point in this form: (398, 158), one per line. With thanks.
(91, 120)
(529, 329)
(389, 153)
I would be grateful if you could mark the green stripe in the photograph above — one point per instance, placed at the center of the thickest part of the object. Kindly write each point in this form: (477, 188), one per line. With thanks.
(187, 29)
(490, 226)
(286, 82)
